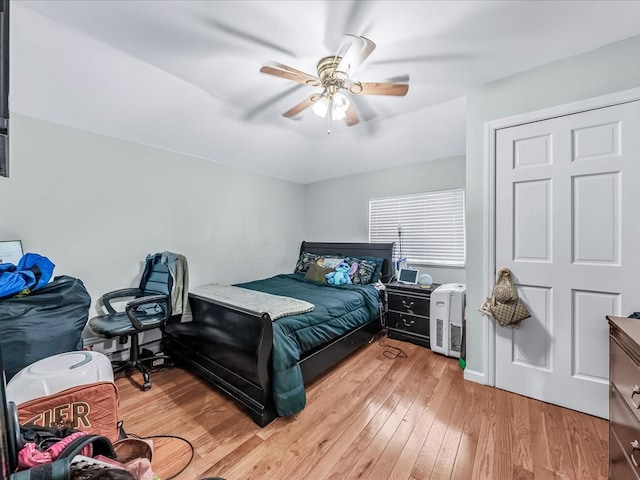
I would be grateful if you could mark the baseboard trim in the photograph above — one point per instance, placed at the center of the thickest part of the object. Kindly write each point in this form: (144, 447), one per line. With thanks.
(474, 376)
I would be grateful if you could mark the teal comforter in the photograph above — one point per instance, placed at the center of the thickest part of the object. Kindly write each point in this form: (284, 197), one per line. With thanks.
(337, 311)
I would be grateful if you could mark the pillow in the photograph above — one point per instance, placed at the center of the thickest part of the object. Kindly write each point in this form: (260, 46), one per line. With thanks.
(317, 274)
(365, 272)
(305, 261)
(378, 261)
(331, 262)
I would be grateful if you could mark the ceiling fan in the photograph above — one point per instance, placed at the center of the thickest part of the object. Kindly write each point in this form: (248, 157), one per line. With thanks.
(334, 76)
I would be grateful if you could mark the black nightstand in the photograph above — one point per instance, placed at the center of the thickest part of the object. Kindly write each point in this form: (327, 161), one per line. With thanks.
(408, 312)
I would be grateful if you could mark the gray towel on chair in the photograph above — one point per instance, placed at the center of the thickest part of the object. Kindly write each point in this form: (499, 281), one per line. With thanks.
(179, 270)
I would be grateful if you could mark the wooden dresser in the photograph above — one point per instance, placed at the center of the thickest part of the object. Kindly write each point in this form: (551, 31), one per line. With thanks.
(624, 398)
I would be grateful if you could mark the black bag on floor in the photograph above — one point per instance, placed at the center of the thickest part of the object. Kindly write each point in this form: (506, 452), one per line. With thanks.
(46, 322)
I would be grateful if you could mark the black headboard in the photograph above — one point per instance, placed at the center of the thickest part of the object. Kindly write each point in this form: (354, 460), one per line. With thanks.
(381, 250)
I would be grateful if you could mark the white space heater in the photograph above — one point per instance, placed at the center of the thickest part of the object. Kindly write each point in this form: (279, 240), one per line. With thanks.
(445, 318)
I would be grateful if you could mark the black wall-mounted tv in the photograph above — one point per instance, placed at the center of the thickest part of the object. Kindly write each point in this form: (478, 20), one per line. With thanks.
(4, 88)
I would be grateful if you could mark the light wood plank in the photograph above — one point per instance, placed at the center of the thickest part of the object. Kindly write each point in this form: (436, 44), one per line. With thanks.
(521, 444)
(413, 447)
(371, 456)
(503, 414)
(350, 458)
(307, 440)
(585, 443)
(463, 467)
(485, 453)
(357, 421)
(433, 443)
(451, 441)
(391, 454)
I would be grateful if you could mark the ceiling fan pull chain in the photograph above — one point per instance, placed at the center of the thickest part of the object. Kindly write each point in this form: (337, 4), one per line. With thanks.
(329, 115)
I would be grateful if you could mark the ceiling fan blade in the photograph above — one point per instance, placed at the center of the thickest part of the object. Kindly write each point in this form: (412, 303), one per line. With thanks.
(271, 101)
(365, 112)
(284, 71)
(352, 117)
(431, 58)
(354, 52)
(404, 78)
(351, 16)
(248, 37)
(303, 105)
(372, 88)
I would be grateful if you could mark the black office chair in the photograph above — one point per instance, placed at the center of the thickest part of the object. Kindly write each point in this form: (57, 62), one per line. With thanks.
(150, 308)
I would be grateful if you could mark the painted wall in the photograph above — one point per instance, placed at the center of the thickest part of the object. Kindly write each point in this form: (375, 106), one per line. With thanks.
(338, 209)
(609, 69)
(96, 206)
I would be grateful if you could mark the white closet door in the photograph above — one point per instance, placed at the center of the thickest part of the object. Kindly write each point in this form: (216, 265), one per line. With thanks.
(568, 227)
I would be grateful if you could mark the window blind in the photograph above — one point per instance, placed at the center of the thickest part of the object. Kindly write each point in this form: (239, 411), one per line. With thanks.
(431, 226)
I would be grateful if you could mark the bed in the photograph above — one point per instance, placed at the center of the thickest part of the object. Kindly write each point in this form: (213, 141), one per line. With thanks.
(232, 347)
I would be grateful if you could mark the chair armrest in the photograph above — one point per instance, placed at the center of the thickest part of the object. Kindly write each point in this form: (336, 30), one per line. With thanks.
(124, 292)
(130, 309)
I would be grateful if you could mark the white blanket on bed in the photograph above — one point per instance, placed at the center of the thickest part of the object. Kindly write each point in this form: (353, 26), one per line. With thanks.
(275, 305)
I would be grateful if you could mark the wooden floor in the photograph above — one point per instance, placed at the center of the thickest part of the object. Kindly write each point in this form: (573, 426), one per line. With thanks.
(372, 417)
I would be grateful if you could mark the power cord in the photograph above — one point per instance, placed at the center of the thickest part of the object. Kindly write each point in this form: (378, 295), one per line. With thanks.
(396, 352)
(151, 437)
(399, 353)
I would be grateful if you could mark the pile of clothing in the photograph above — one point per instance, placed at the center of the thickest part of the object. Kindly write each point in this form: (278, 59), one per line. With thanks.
(65, 453)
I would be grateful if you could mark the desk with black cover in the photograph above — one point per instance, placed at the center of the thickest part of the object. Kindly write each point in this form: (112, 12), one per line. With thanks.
(231, 347)
(48, 321)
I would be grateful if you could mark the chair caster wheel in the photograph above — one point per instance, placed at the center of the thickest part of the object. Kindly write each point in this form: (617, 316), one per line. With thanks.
(146, 386)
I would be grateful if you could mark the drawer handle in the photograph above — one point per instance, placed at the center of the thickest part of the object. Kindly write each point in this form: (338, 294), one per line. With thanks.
(411, 305)
(635, 390)
(635, 445)
(407, 324)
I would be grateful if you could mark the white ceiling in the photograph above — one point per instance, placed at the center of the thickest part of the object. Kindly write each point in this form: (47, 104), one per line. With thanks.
(184, 75)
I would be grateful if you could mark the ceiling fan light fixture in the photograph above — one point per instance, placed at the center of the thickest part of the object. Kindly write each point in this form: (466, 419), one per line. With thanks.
(339, 106)
(338, 103)
(320, 107)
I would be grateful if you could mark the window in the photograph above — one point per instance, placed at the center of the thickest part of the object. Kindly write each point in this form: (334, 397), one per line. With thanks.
(429, 227)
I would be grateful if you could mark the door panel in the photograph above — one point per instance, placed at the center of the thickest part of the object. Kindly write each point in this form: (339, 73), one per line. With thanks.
(567, 227)
(590, 361)
(532, 220)
(531, 341)
(596, 208)
(599, 141)
(532, 151)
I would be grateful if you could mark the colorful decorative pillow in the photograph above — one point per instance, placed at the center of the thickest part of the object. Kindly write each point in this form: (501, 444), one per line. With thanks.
(317, 274)
(379, 262)
(305, 261)
(364, 273)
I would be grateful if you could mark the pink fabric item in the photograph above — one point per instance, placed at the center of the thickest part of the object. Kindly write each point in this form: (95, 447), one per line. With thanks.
(354, 269)
(140, 468)
(30, 456)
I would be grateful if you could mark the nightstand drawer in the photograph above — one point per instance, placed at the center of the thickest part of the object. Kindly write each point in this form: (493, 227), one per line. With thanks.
(408, 323)
(410, 304)
(625, 375)
(626, 427)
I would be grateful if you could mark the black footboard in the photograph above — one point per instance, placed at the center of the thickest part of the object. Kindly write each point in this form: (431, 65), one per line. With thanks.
(229, 347)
